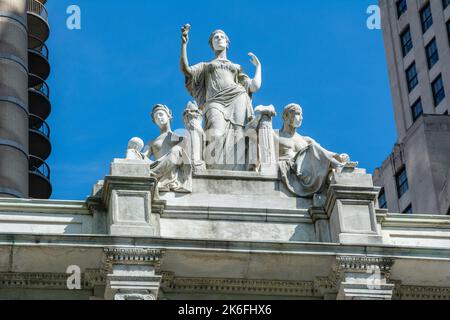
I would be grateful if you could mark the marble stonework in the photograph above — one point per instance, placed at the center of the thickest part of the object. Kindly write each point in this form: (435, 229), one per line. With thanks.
(292, 221)
(240, 235)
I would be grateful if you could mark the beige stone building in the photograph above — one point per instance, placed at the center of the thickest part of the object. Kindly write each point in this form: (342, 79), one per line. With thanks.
(415, 177)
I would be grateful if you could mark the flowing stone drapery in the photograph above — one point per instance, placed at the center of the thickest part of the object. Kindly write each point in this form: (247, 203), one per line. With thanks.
(173, 171)
(304, 164)
(222, 90)
(211, 87)
(195, 140)
(306, 174)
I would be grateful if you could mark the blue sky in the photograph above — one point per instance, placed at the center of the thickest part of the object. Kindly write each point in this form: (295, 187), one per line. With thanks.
(107, 76)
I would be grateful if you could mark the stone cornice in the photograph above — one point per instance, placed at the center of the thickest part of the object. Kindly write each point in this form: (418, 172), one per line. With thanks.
(93, 278)
(95, 203)
(44, 206)
(173, 284)
(41, 280)
(237, 214)
(421, 293)
(133, 256)
(415, 221)
(158, 206)
(34, 280)
(358, 263)
(354, 264)
(317, 213)
(96, 242)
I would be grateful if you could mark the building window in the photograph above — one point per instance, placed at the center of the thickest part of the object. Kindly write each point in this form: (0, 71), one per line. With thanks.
(411, 77)
(416, 110)
(408, 210)
(382, 202)
(448, 211)
(426, 18)
(438, 90)
(432, 53)
(402, 7)
(445, 3)
(402, 182)
(406, 39)
(448, 30)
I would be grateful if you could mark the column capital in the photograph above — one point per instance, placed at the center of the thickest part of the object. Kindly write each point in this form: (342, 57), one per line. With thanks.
(363, 278)
(132, 273)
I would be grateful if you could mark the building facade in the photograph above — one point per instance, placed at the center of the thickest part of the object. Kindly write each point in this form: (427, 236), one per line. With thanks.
(236, 236)
(227, 235)
(415, 177)
(24, 100)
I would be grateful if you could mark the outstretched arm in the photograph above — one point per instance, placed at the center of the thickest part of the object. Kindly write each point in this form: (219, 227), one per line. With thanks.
(257, 80)
(147, 152)
(184, 62)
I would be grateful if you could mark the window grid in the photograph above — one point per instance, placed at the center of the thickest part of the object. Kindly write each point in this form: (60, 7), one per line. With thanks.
(402, 183)
(382, 202)
(432, 53)
(438, 90)
(426, 17)
(402, 7)
(417, 110)
(408, 210)
(445, 3)
(411, 77)
(448, 31)
(406, 40)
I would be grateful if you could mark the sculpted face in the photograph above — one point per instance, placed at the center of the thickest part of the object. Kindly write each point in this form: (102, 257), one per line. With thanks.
(220, 41)
(294, 118)
(297, 118)
(161, 118)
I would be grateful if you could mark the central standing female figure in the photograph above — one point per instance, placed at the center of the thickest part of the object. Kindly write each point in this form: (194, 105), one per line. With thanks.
(223, 92)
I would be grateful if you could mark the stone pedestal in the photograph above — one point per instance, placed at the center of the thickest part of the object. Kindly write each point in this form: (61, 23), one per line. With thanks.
(128, 195)
(351, 207)
(131, 274)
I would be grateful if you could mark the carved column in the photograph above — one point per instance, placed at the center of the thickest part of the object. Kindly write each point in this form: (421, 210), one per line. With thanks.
(351, 208)
(363, 278)
(266, 145)
(195, 142)
(132, 274)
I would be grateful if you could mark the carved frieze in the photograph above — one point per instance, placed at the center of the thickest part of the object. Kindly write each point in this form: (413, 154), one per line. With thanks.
(173, 284)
